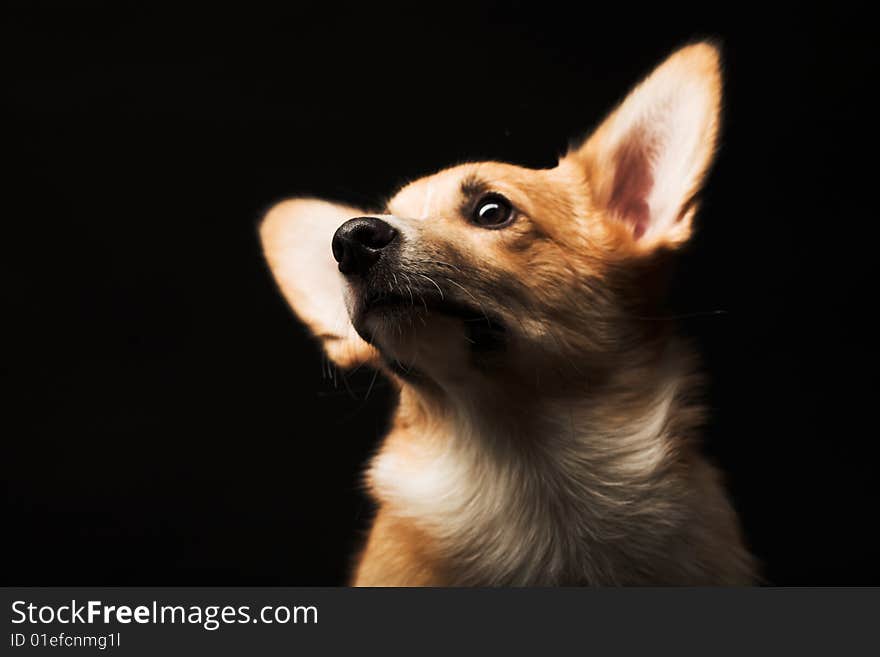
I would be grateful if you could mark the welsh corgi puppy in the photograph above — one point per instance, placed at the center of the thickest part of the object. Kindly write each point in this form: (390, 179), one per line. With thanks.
(547, 425)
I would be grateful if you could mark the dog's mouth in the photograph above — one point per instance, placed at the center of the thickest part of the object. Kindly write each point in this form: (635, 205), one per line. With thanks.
(481, 327)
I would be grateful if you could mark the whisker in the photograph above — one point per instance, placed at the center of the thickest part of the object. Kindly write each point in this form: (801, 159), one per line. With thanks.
(434, 283)
(409, 288)
(439, 262)
(477, 301)
(372, 381)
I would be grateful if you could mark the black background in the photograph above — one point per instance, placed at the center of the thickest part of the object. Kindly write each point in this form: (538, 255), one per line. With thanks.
(166, 419)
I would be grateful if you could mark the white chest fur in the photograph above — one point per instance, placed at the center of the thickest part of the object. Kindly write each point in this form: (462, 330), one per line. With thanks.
(582, 500)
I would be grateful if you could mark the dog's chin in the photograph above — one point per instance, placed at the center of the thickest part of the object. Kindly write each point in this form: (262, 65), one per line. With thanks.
(424, 334)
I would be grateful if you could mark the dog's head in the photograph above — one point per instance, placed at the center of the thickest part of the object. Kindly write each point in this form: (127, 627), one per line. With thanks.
(496, 270)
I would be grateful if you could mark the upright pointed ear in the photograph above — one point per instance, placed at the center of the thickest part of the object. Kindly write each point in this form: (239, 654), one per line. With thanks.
(646, 162)
(296, 236)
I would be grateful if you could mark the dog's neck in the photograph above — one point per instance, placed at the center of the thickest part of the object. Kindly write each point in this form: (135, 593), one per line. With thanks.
(544, 490)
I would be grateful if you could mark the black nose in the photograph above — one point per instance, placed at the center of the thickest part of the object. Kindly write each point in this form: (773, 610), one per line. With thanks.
(358, 243)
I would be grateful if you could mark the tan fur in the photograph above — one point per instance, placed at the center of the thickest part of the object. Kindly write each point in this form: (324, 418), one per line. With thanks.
(562, 448)
(399, 547)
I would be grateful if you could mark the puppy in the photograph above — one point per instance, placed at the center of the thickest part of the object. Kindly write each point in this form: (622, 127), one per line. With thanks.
(546, 432)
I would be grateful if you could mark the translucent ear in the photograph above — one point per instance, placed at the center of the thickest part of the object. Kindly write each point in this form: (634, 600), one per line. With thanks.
(647, 160)
(296, 236)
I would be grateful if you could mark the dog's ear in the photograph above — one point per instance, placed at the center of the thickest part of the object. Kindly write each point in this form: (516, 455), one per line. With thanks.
(296, 237)
(647, 160)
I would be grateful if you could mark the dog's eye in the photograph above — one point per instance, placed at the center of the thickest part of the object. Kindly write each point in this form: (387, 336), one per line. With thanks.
(492, 211)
